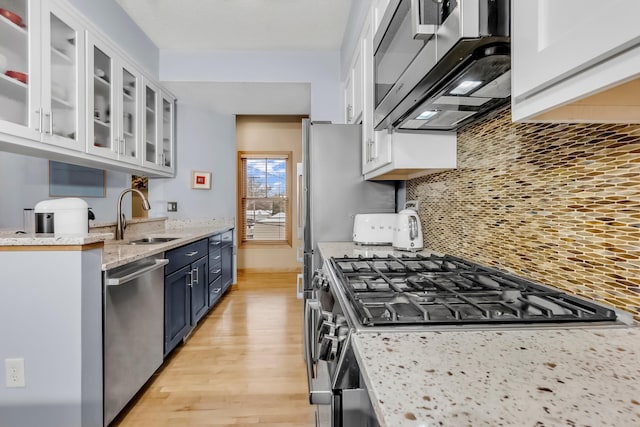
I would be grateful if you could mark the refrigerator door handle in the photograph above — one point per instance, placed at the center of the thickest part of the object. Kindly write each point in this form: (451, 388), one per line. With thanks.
(299, 184)
(299, 280)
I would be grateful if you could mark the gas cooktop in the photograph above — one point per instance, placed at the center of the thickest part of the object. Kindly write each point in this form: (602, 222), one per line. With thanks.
(446, 290)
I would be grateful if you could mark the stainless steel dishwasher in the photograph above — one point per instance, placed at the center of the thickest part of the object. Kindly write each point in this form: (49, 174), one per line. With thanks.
(133, 314)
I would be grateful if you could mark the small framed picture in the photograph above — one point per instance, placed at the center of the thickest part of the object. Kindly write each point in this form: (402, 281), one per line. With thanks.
(201, 180)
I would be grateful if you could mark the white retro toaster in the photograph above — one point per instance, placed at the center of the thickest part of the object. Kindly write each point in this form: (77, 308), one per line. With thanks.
(374, 229)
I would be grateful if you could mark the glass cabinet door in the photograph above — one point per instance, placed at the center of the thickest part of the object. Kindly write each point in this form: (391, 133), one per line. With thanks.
(129, 129)
(167, 133)
(151, 154)
(63, 80)
(20, 112)
(101, 136)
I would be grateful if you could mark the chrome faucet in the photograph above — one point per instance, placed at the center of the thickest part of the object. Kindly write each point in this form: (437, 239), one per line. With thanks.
(122, 221)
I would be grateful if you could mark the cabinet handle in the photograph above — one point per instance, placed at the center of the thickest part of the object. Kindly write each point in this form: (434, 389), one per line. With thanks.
(194, 280)
(39, 113)
(190, 276)
(50, 122)
(371, 154)
(217, 271)
(49, 116)
(192, 253)
(349, 109)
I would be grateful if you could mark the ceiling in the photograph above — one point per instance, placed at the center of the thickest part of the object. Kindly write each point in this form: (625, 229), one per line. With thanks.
(246, 98)
(241, 24)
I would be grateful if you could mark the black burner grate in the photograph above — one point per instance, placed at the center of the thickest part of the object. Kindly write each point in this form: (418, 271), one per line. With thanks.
(449, 290)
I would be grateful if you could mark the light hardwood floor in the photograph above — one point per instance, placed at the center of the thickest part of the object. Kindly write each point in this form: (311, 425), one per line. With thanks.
(242, 366)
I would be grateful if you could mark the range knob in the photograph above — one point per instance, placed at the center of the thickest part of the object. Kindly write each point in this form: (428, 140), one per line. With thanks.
(320, 280)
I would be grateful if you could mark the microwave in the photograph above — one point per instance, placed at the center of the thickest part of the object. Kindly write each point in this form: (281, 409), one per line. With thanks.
(440, 64)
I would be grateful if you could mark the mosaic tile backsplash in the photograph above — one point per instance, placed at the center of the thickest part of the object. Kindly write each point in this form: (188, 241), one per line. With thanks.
(555, 203)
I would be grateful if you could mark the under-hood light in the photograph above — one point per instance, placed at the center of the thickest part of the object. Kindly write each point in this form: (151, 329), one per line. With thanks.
(426, 115)
(465, 87)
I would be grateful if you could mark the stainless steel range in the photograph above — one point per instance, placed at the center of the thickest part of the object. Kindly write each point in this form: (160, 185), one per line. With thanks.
(416, 292)
(445, 290)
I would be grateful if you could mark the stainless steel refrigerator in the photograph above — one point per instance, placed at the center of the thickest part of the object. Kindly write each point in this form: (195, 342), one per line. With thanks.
(332, 190)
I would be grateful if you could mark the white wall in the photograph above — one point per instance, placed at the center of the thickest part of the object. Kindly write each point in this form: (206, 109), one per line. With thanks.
(321, 69)
(205, 142)
(24, 181)
(113, 21)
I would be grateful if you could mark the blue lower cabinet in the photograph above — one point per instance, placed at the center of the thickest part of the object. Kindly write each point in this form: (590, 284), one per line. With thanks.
(177, 307)
(199, 290)
(186, 291)
(226, 263)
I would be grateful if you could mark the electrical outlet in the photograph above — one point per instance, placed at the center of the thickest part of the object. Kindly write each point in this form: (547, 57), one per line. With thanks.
(14, 369)
(172, 206)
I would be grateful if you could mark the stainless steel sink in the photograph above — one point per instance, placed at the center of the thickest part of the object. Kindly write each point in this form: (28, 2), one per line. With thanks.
(151, 240)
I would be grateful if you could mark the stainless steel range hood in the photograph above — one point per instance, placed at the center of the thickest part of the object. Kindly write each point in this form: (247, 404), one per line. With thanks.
(456, 75)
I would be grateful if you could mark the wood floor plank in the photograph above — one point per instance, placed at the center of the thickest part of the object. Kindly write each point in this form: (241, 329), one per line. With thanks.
(242, 366)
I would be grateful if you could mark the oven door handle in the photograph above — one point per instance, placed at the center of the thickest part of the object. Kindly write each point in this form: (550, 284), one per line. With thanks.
(319, 387)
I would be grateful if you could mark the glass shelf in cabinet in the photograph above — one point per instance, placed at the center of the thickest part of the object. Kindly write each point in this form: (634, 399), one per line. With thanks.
(12, 34)
(128, 97)
(104, 125)
(13, 88)
(60, 58)
(61, 103)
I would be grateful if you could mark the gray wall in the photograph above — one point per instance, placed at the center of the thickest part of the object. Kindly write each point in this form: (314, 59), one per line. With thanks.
(120, 28)
(205, 142)
(24, 181)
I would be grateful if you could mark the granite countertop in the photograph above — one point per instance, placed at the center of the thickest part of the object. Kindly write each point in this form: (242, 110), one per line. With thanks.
(118, 252)
(350, 249)
(10, 238)
(545, 377)
(509, 377)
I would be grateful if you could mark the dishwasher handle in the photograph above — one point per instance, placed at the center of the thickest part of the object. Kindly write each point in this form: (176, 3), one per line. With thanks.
(115, 281)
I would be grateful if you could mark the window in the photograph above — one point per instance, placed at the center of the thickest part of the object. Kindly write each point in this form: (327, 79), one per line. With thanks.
(265, 208)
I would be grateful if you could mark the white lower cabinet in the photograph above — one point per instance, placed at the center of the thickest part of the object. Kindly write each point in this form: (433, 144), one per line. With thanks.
(568, 60)
(412, 155)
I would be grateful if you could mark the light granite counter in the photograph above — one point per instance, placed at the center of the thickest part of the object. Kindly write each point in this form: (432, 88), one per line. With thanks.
(510, 377)
(10, 238)
(350, 249)
(119, 252)
(550, 377)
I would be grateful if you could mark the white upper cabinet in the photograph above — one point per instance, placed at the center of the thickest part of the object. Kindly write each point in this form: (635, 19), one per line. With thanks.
(375, 145)
(158, 128)
(63, 77)
(353, 87)
(68, 93)
(150, 125)
(168, 132)
(45, 42)
(102, 134)
(412, 155)
(564, 52)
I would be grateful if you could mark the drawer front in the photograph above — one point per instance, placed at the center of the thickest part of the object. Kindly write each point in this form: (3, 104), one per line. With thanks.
(214, 256)
(214, 242)
(185, 255)
(227, 238)
(214, 271)
(215, 291)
